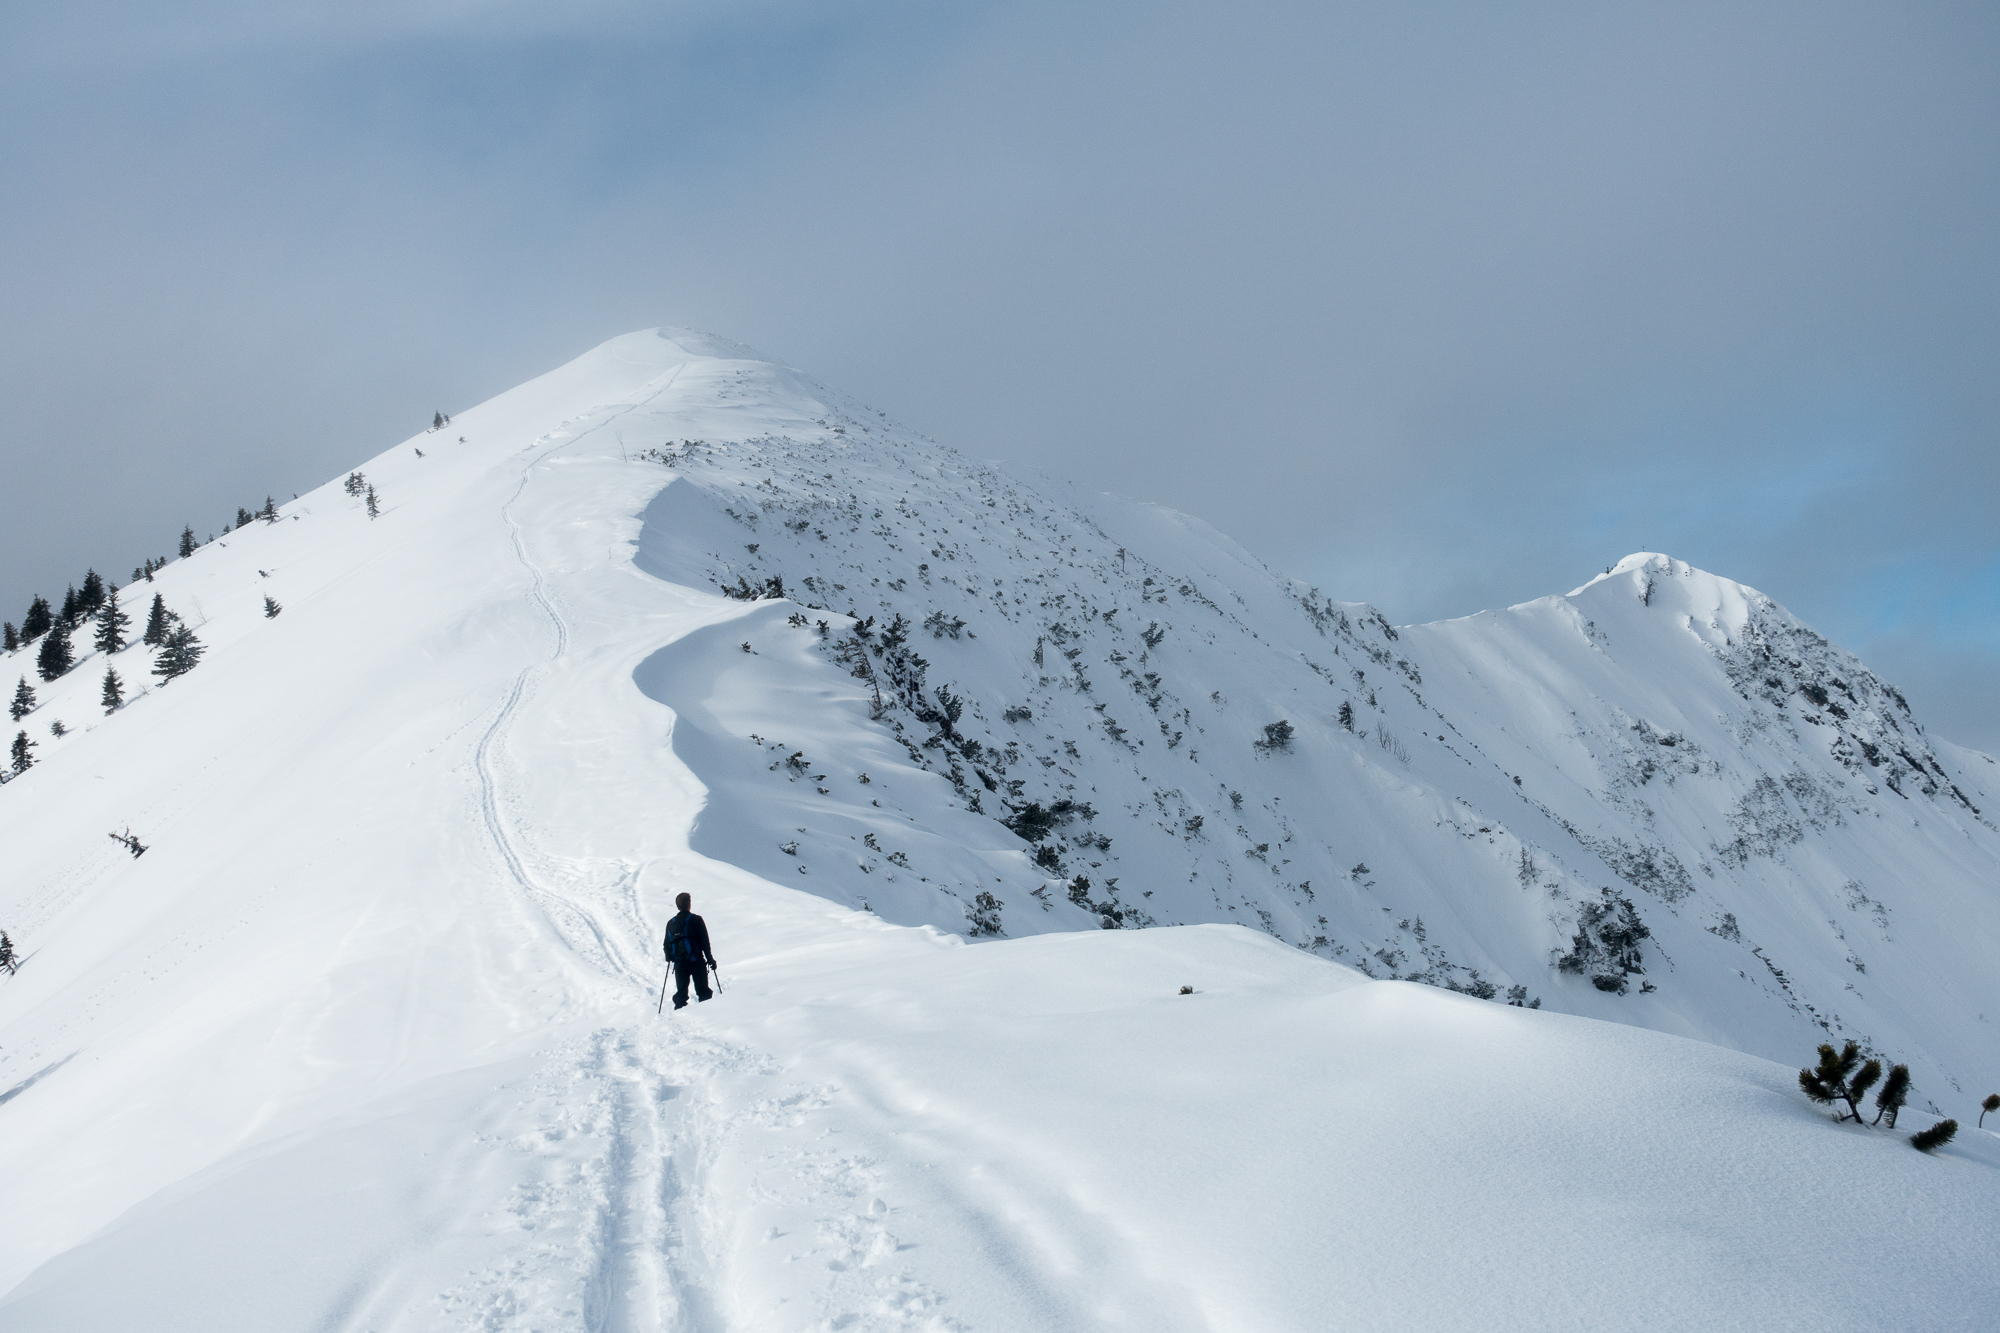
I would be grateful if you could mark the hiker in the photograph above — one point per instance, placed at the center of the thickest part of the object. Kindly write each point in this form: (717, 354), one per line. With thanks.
(687, 949)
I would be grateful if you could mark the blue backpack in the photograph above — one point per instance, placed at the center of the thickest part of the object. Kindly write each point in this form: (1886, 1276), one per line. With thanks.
(680, 948)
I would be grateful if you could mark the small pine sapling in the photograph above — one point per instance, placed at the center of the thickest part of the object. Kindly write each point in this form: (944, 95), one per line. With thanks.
(36, 623)
(374, 505)
(1830, 1082)
(114, 692)
(56, 656)
(112, 622)
(271, 607)
(1347, 714)
(158, 621)
(187, 541)
(1925, 1140)
(24, 700)
(1895, 1091)
(22, 755)
(58, 729)
(13, 638)
(178, 655)
(1992, 1103)
(269, 513)
(9, 961)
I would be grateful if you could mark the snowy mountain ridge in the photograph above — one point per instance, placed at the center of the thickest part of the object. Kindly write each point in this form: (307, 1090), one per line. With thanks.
(1671, 736)
(412, 842)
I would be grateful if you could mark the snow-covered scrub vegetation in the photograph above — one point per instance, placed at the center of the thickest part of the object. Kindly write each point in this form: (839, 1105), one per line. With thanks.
(1112, 932)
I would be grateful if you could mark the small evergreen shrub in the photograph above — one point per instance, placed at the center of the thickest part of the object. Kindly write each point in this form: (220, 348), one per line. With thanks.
(1895, 1091)
(1925, 1140)
(1837, 1079)
(984, 914)
(1277, 738)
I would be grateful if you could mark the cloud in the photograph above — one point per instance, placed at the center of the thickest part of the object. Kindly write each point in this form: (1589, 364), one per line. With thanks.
(1441, 306)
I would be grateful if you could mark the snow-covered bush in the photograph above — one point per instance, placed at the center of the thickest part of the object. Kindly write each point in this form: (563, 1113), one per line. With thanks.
(1277, 737)
(1606, 944)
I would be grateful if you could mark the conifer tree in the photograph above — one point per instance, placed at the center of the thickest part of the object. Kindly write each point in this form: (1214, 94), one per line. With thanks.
(56, 656)
(269, 513)
(1935, 1137)
(22, 759)
(355, 484)
(24, 700)
(1895, 1091)
(158, 621)
(187, 541)
(37, 621)
(1347, 714)
(112, 622)
(179, 654)
(8, 961)
(149, 568)
(1836, 1078)
(271, 607)
(13, 640)
(437, 421)
(91, 595)
(114, 692)
(1992, 1103)
(374, 510)
(243, 516)
(69, 613)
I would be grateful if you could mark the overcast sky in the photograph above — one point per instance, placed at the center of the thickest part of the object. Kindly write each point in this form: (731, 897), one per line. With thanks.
(1438, 306)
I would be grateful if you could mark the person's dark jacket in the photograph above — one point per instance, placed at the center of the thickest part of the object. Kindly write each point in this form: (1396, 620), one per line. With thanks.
(697, 934)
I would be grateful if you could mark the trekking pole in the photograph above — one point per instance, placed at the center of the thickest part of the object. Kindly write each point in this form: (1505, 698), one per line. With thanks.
(718, 977)
(663, 988)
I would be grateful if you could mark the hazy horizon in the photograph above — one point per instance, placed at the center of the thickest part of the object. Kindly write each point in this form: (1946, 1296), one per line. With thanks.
(1441, 309)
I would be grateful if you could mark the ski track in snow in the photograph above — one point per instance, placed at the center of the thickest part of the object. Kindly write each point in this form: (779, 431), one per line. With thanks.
(571, 917)
(642, 1275)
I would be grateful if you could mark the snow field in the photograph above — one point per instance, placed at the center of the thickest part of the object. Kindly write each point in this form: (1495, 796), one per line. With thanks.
(367, 1040)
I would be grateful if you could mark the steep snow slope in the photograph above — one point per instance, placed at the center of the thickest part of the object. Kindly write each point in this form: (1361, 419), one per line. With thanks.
(1661, 747)
(366, 1038)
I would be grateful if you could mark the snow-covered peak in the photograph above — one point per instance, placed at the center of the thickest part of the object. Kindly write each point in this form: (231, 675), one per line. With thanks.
(674, 617)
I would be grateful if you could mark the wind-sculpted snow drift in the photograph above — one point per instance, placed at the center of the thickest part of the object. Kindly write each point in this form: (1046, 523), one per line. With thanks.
(367, 1038)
